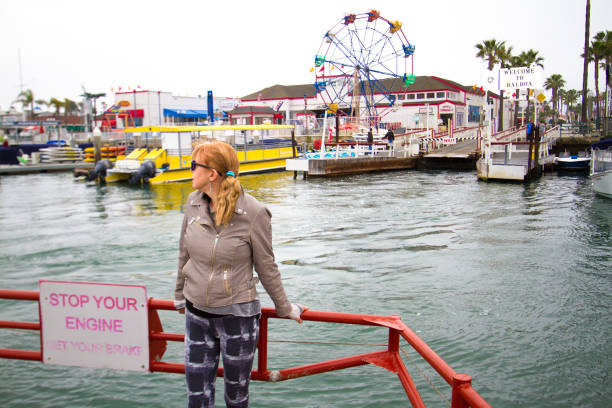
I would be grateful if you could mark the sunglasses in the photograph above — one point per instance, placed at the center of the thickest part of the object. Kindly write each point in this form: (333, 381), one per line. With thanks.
(195, 164)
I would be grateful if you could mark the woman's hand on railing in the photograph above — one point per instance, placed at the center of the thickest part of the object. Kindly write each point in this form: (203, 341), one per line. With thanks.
(296, 312)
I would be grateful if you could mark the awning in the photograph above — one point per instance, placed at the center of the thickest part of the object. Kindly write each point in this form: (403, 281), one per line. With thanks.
(186, 113)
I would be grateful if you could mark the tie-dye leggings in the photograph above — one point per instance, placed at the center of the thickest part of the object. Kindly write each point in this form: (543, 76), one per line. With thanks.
(236, 338)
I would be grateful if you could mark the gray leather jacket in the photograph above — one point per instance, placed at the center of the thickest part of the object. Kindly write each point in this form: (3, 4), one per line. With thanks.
(216, 264)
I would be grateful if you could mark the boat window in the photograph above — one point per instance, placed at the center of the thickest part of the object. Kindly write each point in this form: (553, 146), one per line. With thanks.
(421, 96)
(431, 95)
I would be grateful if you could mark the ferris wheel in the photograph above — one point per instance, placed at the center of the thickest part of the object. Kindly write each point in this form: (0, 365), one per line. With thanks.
(361, 62)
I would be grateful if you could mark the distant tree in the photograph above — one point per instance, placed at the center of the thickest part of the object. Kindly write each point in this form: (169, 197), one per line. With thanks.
(493, 52)
(42, 102)
(488, 50)
(571, 97)
(26, 98)
(527, 59)
(70, 106)
(562, 95)
(597, 53)
(504, 55)
(608, 58)
(57, 104)
(555, 82)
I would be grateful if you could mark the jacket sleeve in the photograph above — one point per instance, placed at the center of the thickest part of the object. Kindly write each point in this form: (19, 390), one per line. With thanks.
(179, 299)
(264, 263)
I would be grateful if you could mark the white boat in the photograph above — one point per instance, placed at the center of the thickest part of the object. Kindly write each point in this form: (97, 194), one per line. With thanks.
(601, 167)
(573, 162)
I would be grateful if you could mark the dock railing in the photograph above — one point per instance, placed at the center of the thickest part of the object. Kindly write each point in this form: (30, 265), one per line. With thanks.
(434, 141)
(463, 394)
(513, 144)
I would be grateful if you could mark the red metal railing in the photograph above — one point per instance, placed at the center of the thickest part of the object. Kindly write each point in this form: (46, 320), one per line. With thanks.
(463, 395)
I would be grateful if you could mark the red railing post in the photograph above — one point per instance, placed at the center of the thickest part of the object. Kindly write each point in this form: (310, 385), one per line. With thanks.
(393, 344)
(262, 347)
(460, 380)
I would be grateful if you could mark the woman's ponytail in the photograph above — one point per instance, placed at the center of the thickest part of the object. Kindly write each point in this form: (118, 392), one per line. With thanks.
(222, 157)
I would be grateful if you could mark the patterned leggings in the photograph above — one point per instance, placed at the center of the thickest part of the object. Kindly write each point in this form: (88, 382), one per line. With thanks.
(236, 338)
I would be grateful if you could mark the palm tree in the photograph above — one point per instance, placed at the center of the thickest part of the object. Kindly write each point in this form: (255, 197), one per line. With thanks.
(571, 97)
(57, 104)
(70, 106)
(505, 57)
(562, 100)
(585, 67)
(26, 98)
(493, 51)
(555, 82)
(41, 102)
(488, 50)
(529, 58)
(597, 52)
(608, 70)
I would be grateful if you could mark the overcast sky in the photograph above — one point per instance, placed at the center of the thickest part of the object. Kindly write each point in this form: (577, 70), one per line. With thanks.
(235, 48)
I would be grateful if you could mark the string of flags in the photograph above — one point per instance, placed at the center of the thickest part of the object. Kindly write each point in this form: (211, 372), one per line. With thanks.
(129, 88)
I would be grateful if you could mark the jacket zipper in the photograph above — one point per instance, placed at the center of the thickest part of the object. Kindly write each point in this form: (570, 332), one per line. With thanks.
(226, 283)
(212, 269)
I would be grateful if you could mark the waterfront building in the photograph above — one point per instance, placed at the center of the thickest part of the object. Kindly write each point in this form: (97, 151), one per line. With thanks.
(430, 101)
(158, 108)
(439, 100)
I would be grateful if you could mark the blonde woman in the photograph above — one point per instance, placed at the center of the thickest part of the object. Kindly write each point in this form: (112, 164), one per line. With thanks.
(226, 233)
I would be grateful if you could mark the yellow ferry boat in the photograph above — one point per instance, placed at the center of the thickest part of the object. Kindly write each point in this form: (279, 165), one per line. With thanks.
(260, 148)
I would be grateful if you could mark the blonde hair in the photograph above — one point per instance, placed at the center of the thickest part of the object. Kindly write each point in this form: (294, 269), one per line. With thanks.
(221, 157)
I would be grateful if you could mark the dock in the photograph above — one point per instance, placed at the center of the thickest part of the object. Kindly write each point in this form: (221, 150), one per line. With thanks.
(355, 158)
(9, 169)
(460, 156)
(350, 165)
(513, 158)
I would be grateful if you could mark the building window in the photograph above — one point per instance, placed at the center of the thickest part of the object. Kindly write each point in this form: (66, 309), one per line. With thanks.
(410, 96)
(420, 96)
(431, 95)
(440, 95)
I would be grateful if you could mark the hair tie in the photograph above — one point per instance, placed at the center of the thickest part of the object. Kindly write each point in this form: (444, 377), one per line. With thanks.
(230, 173)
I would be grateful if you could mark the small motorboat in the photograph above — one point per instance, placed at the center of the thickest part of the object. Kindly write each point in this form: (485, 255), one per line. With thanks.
(579, 162)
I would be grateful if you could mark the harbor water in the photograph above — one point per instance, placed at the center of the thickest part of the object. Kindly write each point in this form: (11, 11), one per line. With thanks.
(509, 283)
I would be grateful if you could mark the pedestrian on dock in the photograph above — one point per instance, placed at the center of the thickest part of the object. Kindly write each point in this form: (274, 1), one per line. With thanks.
(529, 131)
(390, 138)
(225, 234)
(541, 130)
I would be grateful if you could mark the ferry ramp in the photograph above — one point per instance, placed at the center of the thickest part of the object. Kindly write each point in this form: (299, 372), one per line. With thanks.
(460, 156)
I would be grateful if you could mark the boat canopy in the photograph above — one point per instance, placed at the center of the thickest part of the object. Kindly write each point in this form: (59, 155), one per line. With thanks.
(186, 113)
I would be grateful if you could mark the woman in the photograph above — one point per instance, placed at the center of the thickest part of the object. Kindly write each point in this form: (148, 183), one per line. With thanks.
(225, 234)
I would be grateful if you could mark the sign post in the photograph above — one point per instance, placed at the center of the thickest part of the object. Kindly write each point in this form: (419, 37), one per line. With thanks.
(94, 325)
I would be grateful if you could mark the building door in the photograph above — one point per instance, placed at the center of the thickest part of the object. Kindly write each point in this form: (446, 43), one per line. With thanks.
(446, 117)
